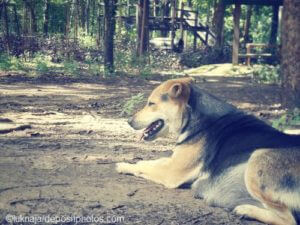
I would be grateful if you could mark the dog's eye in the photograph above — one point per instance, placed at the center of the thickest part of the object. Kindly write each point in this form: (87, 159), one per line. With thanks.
(151, 103)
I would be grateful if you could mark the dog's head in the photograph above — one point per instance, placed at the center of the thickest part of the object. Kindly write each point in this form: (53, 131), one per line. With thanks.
(165, 109)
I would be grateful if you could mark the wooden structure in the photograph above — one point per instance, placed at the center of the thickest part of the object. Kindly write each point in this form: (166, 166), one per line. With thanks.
(250, 55)
(236, 19)
(148, 16)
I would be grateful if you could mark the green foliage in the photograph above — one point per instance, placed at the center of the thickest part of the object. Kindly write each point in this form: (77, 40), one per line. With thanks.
(93, 67)
(42, 67)
(128, 61)
(5, 62)
(41, 63)
(8, 63)
(71, 67)
(267, 74)
(287, 120)
(140, 63)
(130, 105)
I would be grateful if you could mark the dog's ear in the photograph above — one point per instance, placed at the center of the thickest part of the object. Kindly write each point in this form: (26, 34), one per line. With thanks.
(175, 90)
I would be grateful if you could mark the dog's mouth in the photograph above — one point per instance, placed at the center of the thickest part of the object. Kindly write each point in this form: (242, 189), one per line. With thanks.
(150, 132)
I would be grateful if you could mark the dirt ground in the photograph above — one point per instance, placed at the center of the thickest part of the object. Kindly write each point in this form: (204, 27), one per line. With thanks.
(63, 162)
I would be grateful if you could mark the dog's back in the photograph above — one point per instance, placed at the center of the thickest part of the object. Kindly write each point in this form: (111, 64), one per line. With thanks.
(250, 164)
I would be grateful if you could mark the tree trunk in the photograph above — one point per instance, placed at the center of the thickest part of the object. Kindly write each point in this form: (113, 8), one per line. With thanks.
(165, 13)
(31, 7)
(290, 54)
(236, 34)
(247, 26)
(143, 27)
(93, 17)
(274, 26)
(76, 19)
(87, 13)
(6, 22)
(46, 17)
(81, 12)
(68, 18)
(109, 32)
(1, 7)
(16, 21)
(218, 23)
(26, 18)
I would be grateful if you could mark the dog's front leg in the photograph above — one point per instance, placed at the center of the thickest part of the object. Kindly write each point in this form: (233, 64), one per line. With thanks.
(161, 171)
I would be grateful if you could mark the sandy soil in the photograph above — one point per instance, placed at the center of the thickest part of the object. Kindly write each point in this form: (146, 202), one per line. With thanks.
(63, 164)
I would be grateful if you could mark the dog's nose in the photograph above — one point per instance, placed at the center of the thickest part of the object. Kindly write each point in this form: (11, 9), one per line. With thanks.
(130, 121)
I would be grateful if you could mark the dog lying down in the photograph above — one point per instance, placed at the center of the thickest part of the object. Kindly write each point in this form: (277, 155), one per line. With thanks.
(232, 159)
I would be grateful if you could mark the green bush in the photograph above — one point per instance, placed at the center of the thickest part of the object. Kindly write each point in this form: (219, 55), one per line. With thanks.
(71, 67)
(287, 120)
(130, 105)
(267, 74)
(5, 62)
(10, 63)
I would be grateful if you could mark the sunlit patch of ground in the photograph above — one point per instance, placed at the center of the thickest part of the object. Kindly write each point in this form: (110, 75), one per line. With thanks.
(226, 69)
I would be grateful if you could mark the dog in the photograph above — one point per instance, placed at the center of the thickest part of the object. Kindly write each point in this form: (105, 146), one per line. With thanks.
(231, 159)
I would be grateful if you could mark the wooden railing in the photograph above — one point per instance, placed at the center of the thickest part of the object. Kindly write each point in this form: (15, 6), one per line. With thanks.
(250, 55)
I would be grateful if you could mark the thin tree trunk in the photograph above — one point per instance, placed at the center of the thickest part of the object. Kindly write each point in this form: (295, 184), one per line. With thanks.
(68, 18)
(290, 54)
(16, 21)
(143, 28)
(236, 34)
(26, 18)
(248, 24)
(109, 32)
(75, 14)
(93, 17)
(6, 22)
(31, 7)
(165, 13)
(1, 7)
(46, 17)
(82, 13)
(100, 26)
(218, 23)
(87, 13)
(274, 26)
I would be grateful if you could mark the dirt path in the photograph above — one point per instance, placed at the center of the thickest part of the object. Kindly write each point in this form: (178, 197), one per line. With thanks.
(63, 165)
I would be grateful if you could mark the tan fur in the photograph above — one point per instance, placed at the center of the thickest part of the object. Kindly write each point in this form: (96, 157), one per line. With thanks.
(261, 178)
(264, 170)
(183, 166)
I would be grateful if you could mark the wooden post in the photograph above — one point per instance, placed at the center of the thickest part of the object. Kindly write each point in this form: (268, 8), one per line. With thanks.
(206, 34)
(173, 23)
(195, 31)
(248, 58)
(236, 34)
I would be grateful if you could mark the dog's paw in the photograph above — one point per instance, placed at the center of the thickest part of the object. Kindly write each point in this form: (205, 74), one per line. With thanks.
(123, 168)
(245, 211)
